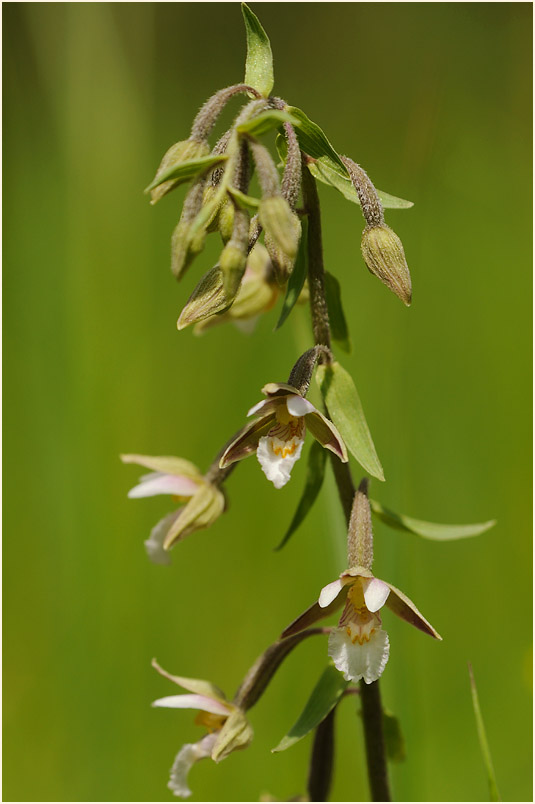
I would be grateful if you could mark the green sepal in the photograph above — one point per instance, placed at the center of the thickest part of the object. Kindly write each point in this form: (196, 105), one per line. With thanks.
(322, 170)
(297, 277)
(345, 410)
(259, 61)
(244, 201)
(313, 483)
(264, 122)
(494, 794)
(428, 530)
(187, 170)
(196, 685)
(337, 319)
(236, 733)
(325, 695)
(393, 736)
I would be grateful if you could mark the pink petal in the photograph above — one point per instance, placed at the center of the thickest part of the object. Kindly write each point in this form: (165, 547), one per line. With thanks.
(375, 593)
(157, 483)
(193, 702)
(298, 405)
(330, 593)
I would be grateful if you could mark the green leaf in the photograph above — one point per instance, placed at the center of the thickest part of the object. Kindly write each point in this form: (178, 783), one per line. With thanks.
(394, 740)
(187, 170)
(323, 170)
(313, 141)
(393, 202)
(264, 122)
(314, 480)
(337, 319)
(244, 201)
(483, 742)
(345, 410)
(297, 277)
(259, 62)
(429, 530)
(325, 695)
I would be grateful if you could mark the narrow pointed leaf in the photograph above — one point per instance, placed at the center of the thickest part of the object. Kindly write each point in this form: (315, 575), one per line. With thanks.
(314, 480)
(394, 740)
(313, 141)
(325, 695)
(323, 170)
(483, 742)
(187, 170)
(337, 319)
(345, 410)
(429, 530)
(297, 277)
(259, 62)
(264, 122)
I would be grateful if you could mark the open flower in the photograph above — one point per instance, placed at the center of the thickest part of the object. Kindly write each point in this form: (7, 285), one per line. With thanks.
(228, 728)
(277, 433)
(185, 483)
(359, 647)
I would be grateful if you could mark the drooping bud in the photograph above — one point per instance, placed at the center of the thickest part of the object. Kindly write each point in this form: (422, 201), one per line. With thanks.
(360, 533)
(234, 256)
(208, 298)
(282, 234)
(184, 246)
(301, 373)
(177, 153)
(384, 257)
(257, 294)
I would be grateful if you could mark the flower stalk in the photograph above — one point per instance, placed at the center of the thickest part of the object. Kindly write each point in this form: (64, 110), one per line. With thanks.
(372, 712)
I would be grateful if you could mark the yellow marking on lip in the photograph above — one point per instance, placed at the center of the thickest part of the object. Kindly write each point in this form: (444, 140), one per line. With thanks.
(285, 451)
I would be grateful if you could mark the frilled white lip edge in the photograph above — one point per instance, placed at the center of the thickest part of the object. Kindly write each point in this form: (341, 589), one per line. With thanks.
(356, 661)
(278, 457)
(188, 755)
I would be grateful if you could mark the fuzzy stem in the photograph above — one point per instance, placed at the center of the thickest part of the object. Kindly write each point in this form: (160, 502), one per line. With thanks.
(316, 272)
(372, 713)
(321, 760)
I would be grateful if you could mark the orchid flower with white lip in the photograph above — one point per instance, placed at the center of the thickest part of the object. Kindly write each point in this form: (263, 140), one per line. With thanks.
(277, 433)
(227, 725)
(185, 483)
(359, 647)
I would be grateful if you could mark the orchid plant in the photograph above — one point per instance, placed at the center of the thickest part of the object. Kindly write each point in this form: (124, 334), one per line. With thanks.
(247, 281)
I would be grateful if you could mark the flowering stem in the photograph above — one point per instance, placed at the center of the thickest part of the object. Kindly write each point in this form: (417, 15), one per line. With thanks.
(321, 760)
(372, 712)
(316, 272)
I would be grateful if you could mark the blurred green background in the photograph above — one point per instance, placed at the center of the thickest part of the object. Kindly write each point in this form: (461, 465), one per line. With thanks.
(434, 100)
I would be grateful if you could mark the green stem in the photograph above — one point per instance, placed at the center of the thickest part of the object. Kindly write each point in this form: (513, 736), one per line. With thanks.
(321, 760)
(372, 712)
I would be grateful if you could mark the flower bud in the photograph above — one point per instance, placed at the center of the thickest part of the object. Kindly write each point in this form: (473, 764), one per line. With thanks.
(207, 299)
(257, 294)
(384, 257)
(179, 152)
(282, 233)
(232, 263)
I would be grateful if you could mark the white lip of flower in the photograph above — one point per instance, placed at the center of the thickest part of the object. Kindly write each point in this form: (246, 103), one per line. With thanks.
(359, 647)
(277, 433)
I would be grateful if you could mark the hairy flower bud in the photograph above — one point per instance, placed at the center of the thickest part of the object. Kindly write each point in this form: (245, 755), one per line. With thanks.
(384, 256)
(282, 233)
(179, 152)
(207, 299)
